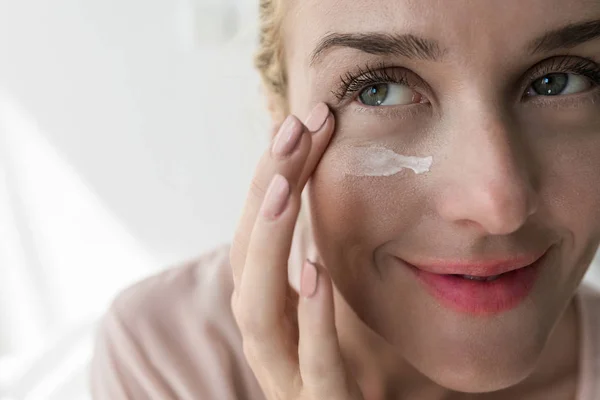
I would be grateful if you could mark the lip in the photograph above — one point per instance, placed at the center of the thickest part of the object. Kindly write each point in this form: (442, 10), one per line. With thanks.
(476, 268)
(517, 279)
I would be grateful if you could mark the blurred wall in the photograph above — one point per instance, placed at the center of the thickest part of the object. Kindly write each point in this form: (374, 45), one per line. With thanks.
(129, 131)
(162, 123)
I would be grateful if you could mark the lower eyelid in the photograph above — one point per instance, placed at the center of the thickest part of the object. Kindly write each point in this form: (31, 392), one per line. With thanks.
(591, 96)
(394, 112)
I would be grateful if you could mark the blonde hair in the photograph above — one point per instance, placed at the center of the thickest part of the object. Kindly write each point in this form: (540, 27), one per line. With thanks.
(269, 57)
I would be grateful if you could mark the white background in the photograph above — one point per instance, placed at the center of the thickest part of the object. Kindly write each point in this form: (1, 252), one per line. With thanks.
(128, 133)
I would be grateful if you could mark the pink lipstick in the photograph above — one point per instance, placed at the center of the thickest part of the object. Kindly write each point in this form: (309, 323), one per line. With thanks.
(480, 288)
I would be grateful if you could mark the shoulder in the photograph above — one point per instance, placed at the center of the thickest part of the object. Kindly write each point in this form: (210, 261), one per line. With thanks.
(203, 285)
(173, 335)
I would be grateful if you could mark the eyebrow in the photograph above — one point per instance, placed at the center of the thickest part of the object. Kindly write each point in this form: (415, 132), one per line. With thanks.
(414, 47)
(567, 37)
(405, 45)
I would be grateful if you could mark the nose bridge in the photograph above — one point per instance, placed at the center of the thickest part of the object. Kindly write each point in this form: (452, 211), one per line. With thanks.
(490, 141)
(491, 182)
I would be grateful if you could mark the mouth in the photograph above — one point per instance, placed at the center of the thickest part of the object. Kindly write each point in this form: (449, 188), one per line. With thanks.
(479, 278)
(484, 288)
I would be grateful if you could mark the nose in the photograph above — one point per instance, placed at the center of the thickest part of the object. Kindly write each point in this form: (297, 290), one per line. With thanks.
(488, 175)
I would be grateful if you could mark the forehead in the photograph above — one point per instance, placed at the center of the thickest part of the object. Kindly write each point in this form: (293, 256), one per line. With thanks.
(460, 26)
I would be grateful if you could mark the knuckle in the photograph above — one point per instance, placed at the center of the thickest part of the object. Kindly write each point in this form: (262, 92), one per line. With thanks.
(323, 373)
(258, 356)
(318, 373)
(251, 324)
(257, 187)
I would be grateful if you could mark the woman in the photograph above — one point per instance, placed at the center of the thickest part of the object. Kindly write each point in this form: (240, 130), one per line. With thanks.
(453, 151)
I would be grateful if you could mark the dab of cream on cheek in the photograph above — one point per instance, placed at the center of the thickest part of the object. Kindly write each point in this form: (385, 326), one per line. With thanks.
(381, 161)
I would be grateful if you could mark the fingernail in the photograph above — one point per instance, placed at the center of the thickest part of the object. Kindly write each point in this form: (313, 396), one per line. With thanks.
(288, 136)
(308, 281)
(317, 117)
(276, 197)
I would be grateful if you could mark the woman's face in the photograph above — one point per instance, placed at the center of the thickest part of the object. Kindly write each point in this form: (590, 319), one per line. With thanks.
(505, 98)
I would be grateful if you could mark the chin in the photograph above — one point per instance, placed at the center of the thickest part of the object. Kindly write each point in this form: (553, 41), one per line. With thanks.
(471, 354)
(469, 380)
(473, 370)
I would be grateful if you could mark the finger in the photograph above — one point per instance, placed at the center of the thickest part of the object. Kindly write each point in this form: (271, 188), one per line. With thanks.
(321, 140)
(295, 171)
(264, 278)
(322, 368)
(261, 302)
(294, 135)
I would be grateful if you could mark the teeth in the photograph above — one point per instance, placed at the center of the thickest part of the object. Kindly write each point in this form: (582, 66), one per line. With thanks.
(481, 278)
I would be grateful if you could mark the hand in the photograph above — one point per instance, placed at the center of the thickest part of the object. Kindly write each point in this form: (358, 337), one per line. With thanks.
(295, 355)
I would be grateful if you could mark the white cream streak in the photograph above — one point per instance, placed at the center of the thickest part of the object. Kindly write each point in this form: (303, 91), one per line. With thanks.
(380, 161)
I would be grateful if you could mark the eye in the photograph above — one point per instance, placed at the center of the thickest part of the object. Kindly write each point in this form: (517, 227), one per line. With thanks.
(388, 94)
(556, 84)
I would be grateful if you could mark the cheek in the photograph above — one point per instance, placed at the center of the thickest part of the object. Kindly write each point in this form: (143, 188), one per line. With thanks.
(359, 212)
(339, 204)
(572, 190)
(568, 153)
(351, 218)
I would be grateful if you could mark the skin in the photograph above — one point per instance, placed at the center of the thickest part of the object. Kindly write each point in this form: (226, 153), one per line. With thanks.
(512, 175)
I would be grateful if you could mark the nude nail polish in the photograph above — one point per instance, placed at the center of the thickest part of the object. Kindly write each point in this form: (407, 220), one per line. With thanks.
(288, 137)
(276, 198)
(308, 281)
(317, 117)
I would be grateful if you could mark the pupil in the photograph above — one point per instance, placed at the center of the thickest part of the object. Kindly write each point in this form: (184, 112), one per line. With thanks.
(551, 85)
(374, 95)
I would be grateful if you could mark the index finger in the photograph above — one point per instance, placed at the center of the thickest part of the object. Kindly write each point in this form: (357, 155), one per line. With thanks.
(297, 174)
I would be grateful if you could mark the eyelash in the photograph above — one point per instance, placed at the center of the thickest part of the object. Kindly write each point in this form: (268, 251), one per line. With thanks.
(353, 82)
